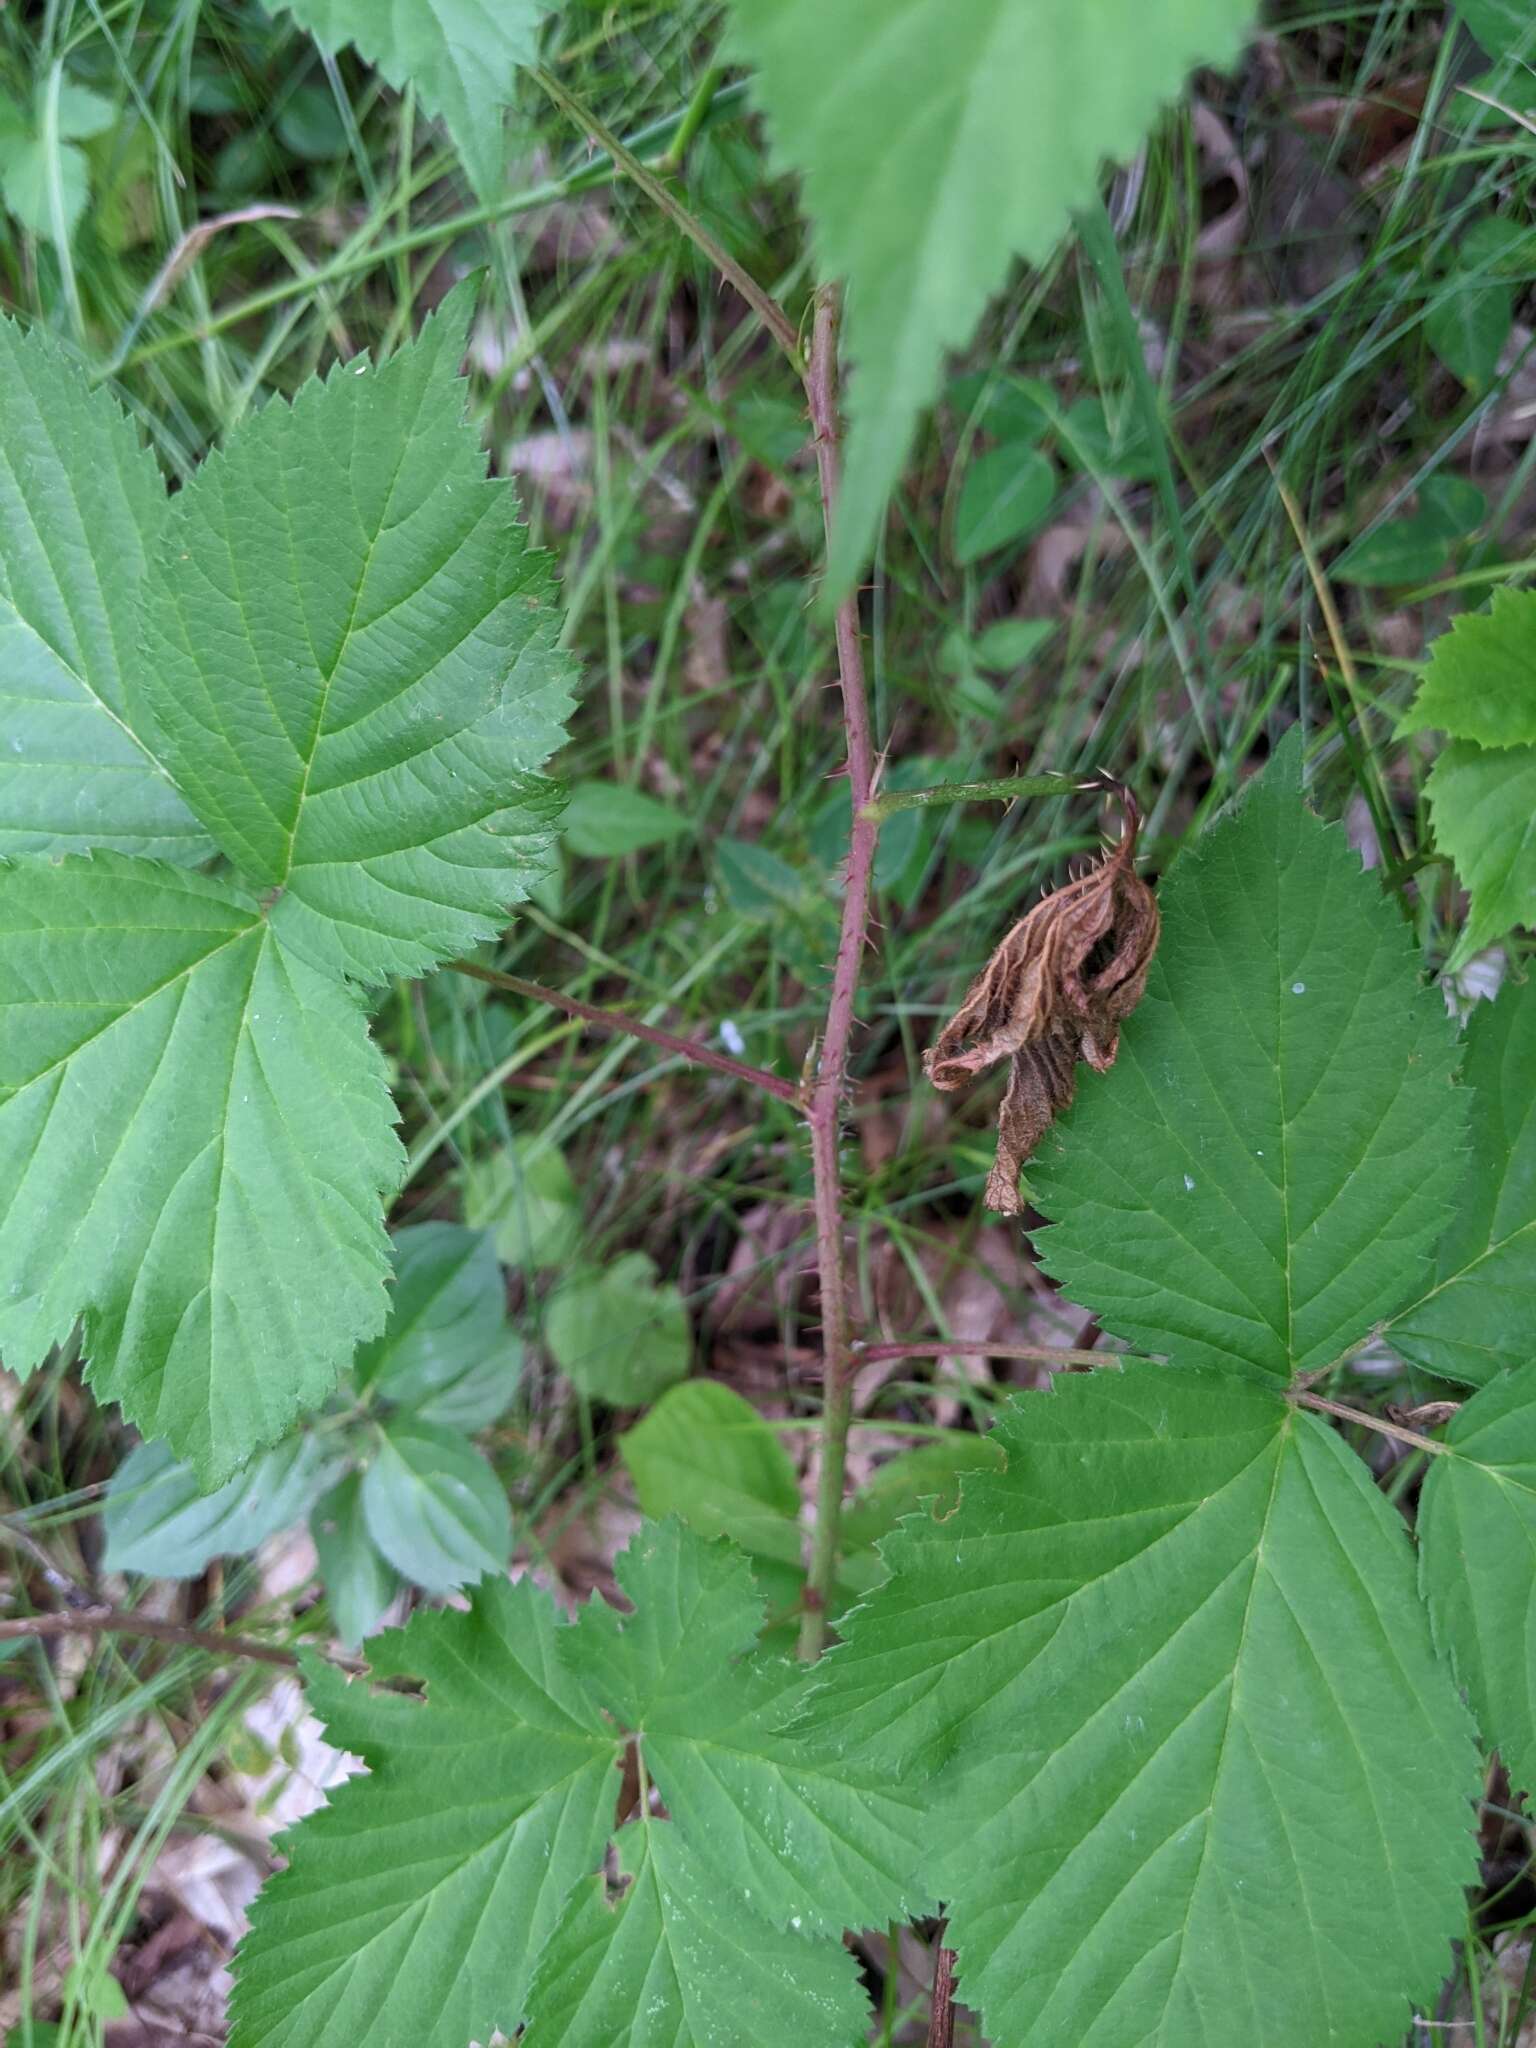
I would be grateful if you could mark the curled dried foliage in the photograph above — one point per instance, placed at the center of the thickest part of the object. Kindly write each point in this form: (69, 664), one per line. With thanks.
(1056, 991)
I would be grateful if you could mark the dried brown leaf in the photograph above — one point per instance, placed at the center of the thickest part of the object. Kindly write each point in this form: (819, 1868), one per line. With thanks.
(1056, 991)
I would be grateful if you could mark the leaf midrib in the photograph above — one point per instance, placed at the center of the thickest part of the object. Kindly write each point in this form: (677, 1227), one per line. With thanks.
(317, 729)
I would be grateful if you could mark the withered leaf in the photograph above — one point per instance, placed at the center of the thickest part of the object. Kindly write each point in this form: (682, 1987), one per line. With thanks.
(1056, 991)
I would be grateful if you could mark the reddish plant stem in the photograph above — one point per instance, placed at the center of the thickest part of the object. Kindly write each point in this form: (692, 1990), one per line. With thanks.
(941, 2027)
(631, 1027)
(826, 1104)
(109, 1621)
(1303, 1399)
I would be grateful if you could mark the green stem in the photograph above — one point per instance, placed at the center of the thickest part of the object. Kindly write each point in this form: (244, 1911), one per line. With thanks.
(694, 116)
(1003, 789)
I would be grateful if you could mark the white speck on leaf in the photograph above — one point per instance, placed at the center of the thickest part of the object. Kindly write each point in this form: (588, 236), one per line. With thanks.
(1189, 1185)
(1298, 988)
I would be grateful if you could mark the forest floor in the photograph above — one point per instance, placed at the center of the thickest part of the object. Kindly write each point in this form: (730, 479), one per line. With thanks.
(1293, 245)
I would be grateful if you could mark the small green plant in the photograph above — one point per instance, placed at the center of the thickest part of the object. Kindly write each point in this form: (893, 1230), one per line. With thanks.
(1142, 1698)
(1134, 1690)
(329, 664)
(1477, 689)
(392, 1487)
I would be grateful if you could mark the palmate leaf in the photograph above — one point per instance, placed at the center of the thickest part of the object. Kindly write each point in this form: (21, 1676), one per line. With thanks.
(1262, 1175)
(347, 669)
(1482, 801)
(662, 1967)
(1480, 688)
(1477, 1546)
(936, 145)
(79, 501)
(195, 1136)
(1480, 683)
(415, 1906)
(461, 56)
(1176, 1661)
(617, 1332)
(350, 665)
(1479, 1312)
(782, 1824)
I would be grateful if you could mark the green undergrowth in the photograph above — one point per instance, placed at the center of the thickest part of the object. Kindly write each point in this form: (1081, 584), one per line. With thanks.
(1363, 326)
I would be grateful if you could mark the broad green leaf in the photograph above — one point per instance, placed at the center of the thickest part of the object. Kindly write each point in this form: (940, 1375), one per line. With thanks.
(195, 1137)
(434, 1507)
(158, 1520)
(1480, 680)
(526, 1196)
(461, 56)
(617, 1333)
(781, 1821)
(935, 1472)
(414, 1904)
(1503, 27)
(1262, 1175)
(80, 113)
(79, 496)
(359, 1580)
(1479, 1312)
(447, 1352)
(46, 187)
(604, 820)
(1471, 315)
(1006, 496)
(758, 884)
(1008, 408)
(661, 1966)
(1482, 802)
(1175, 1656)
(706, 1454)
(1477, 1538)
(91, 1984)
(1409, 549)
(1469, 324)
(310, 125)
(936, 145)
(350, 664)
(1120, 449)
(1009, 643)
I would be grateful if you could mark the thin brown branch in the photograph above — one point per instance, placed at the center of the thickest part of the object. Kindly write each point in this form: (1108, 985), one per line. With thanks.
(826, 1106)
(1031, 1354)
(1302, 1398)
(54, 1576)
(823, 1111)
(112, 1621)
(631, 1027)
